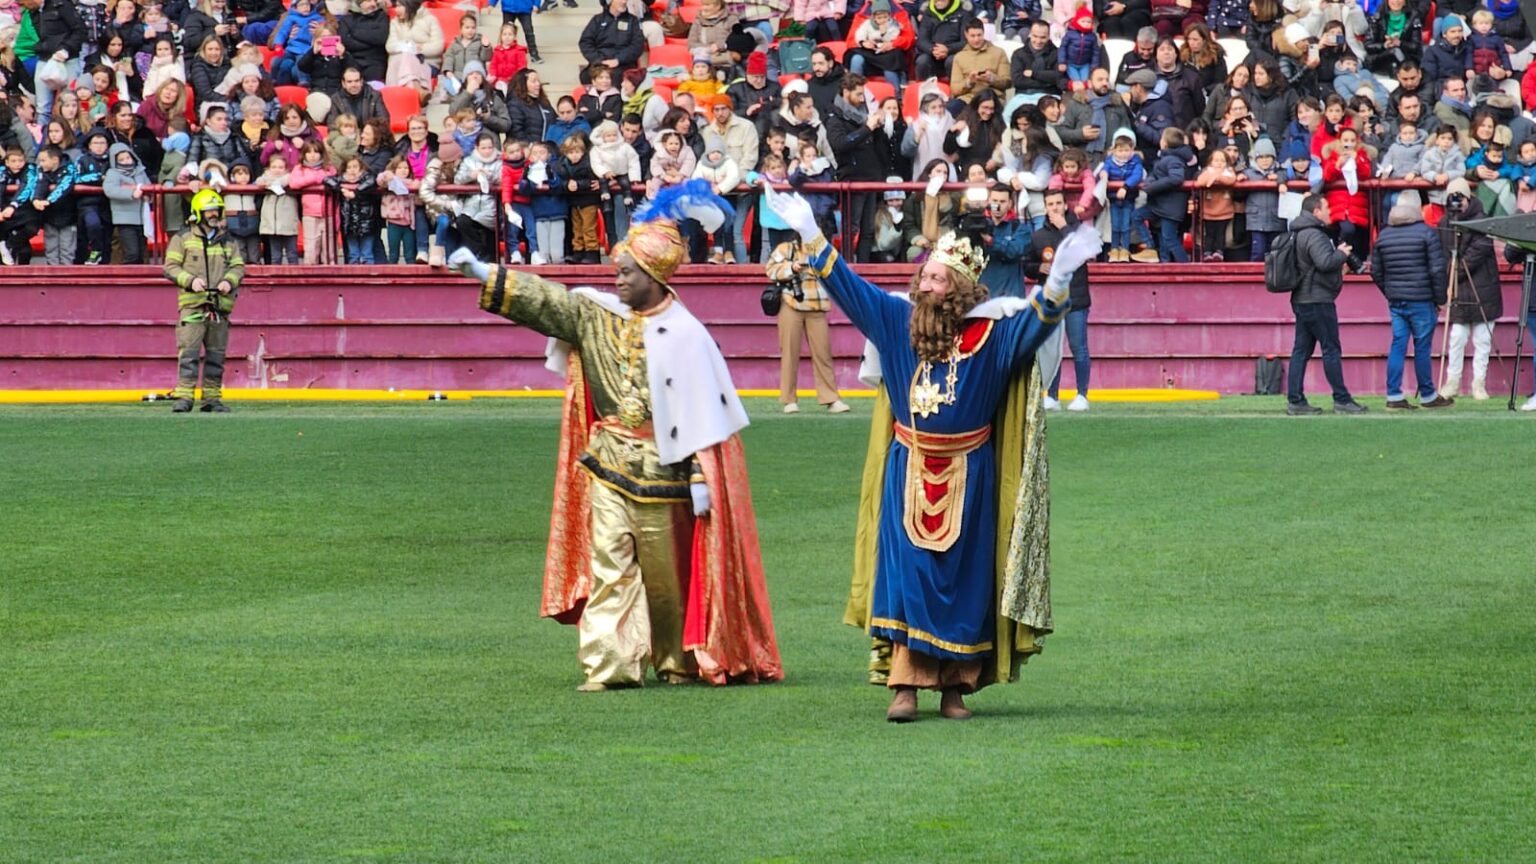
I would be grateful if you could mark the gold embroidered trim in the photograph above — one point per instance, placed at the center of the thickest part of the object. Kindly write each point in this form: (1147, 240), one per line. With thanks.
(922, 636)
(1040, 311)
(950, 508)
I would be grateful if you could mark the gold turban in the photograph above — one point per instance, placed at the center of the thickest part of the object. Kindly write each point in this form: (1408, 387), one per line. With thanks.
(656, 246)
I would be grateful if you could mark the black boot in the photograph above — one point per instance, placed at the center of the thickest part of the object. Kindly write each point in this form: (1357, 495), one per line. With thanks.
(182, 406)
(214, 406)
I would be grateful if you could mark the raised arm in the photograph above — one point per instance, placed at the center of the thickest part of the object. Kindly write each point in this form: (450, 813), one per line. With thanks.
(525, 299)
(873, 311)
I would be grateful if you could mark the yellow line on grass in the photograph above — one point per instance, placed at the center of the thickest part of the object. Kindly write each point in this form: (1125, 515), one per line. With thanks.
(88, 397)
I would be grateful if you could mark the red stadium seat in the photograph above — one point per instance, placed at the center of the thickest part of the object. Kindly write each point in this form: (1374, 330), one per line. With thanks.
(448, 18)
(671, 55)
(880, 89)
(403, 103)
(838, 49)
(268, 55)
(292, 94)
(911, 101)
(688, 13)
(791, 76)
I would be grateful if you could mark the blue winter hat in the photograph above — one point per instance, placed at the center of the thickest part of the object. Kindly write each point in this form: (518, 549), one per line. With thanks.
(1296, 150)
(1448, 21)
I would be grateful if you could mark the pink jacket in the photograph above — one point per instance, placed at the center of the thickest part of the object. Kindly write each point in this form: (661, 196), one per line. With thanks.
(1085, 197)
(305, 177)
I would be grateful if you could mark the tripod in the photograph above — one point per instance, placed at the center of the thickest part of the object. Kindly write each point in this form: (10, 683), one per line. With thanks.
(1527, 272)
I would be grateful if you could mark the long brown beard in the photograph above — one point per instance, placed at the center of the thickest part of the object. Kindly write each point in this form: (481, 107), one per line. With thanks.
(936, 322)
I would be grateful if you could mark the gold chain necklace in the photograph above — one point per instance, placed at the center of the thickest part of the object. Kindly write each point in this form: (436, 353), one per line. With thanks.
(924, 396)
(632, 412)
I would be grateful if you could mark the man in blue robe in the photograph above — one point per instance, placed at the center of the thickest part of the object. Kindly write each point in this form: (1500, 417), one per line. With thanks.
(957, 369)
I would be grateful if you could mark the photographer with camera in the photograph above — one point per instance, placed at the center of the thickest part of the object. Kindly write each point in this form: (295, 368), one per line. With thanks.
(802, 313)
(1321, 264)
(990, 220)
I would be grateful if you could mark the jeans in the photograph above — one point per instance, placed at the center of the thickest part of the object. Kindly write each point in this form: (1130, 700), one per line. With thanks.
(1170, 239)
(739, 228)
(1259, 242)
(1317, 324)
(360, 250)
(401, 244)
(1414, 318)
(1120, 213)
(45, 96)
(1077, 338)
(446, 238)
(285, 70)
(527, 231)
(857, 65)
(131, 238)
(423, 228)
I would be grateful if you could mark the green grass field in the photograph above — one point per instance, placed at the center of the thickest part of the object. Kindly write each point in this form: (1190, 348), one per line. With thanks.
(308, 632)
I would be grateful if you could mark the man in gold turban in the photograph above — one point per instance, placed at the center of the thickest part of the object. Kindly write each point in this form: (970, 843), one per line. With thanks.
(653, 550)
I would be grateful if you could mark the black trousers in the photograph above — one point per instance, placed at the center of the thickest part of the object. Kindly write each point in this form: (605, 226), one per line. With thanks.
(861, 218)
(1317, 325)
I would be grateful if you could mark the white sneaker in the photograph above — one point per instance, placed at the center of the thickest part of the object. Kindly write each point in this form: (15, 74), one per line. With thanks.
(1530, 404)
(1079, 403)
(1050, 404)
(838, 407)
(5, 255)
(538, 259)
(517, 258)
(1479, 390)
(792, 408)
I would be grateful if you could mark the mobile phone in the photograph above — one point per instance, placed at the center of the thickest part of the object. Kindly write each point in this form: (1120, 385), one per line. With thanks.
(328, 45)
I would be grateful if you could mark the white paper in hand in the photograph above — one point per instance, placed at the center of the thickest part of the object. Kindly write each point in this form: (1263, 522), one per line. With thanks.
(934, 185)
(1290, 205)
(277, 189)
(398, 187)
(514, 218)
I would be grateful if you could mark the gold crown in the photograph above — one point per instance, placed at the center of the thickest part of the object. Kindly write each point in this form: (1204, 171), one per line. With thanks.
(957, 253)
(656, 246)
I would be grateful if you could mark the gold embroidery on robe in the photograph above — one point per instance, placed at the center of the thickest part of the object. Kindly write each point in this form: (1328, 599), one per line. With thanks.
(938, 462)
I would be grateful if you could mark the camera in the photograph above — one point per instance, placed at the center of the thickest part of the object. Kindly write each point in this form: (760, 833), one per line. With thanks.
(1354, 264)
(790, 287)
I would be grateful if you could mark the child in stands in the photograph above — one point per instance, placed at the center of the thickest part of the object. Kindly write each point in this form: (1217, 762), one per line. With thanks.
(242, 218)
(1216, 203)
(308, 179)
(95, 216)
(124, 186)
(399, 212)
(359, 209)
(1167, 201)
(1074, 169)
(1124, 167)
(543, 177)
(18, 222)
(1263, 213)
(278, 224)
(515, 204)
(583, 197)
(48, 192)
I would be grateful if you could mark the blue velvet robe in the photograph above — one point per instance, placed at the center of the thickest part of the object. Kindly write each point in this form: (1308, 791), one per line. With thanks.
(939, 603)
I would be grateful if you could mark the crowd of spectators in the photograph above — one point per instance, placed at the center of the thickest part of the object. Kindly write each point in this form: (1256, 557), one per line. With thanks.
(1145, 112)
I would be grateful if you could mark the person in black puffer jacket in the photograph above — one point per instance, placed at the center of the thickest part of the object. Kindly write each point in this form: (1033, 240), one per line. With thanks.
(1408, 265)
(1477, 301)
(364, 34)
(1317, 316)
(528, 108)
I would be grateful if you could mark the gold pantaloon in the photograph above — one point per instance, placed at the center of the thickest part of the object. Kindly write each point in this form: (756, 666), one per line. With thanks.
(634, 613)
(913, 669)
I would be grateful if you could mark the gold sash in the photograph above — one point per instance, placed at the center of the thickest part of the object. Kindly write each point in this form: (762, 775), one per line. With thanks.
(936, 461)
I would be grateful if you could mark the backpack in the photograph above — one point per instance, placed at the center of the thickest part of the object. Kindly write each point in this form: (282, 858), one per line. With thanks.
(1269, 376)
(1282, 265)
(795, 56)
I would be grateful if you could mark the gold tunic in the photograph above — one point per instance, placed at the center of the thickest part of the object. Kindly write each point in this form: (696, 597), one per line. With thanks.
(641, 528)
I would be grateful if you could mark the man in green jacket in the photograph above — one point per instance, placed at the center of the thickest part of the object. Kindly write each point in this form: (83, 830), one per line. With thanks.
(205, 264)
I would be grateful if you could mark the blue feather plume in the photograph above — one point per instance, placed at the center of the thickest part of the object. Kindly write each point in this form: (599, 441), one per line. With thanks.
(694, 199)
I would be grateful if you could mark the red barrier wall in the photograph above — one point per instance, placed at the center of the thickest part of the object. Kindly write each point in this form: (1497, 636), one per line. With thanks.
(1193, 326)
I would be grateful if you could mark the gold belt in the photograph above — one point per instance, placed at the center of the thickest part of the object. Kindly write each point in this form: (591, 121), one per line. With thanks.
(932, 519)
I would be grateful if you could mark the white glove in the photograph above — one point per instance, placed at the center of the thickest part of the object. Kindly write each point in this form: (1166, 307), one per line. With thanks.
(700, 494)
(465, 262)
(1080, 247)
(794, 210)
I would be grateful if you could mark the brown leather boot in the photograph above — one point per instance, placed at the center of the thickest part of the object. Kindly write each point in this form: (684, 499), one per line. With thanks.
(952, 705)
(903, 706)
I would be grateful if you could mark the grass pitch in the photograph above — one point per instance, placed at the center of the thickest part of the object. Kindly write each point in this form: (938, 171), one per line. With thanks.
(308, 633)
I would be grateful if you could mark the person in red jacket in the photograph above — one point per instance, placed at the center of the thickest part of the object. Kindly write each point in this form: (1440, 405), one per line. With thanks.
(1345, 164)
(518, 207)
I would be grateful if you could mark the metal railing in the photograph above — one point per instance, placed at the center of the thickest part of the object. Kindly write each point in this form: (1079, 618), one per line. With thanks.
(160, 198)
